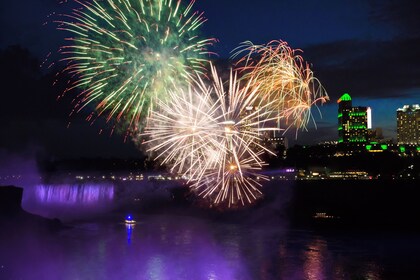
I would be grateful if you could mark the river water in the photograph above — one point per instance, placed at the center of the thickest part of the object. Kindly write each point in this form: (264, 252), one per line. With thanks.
(178, 246)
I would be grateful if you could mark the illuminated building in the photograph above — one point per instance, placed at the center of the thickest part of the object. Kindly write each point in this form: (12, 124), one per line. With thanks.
(353, 122)
(272, 139)
(408, 125)
(275, 139)
(275, 142)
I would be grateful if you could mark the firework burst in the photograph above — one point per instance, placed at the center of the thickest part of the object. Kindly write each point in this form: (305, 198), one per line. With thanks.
(201, 131)
(284, 79)
(183, 131)
(243, 121)
(122, 54)
(237, 179)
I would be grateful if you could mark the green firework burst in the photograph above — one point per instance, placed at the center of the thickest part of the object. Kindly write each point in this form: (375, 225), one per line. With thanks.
(125, 53)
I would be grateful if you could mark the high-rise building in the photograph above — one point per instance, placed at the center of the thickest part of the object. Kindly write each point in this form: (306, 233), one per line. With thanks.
(353, 122)
(408, 124)
(344, 109)
(276, 143)
(275, 139)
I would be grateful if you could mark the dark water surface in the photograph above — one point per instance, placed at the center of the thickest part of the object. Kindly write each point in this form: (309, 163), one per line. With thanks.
(174, 246)
(179, 247)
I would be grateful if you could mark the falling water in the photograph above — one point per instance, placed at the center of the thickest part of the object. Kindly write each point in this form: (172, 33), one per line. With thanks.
(67, 194)
(67, 201)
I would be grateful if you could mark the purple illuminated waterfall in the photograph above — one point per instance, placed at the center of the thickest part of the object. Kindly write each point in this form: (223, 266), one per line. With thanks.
(83, 194)
(68, 200)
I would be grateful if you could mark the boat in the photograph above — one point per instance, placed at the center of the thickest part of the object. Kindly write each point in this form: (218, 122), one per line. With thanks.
(129, 220)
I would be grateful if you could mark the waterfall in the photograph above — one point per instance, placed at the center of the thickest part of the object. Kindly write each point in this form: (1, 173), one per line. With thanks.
(74, 194)
(68, 201)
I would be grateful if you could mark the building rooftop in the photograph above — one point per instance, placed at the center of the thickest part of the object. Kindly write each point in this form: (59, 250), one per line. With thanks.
(344, 97)
(412, 108)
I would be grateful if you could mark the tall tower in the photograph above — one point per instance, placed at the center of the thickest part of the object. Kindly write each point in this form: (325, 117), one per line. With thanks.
(408, 124)
(359, 125)
(353, 122)
(344, 108)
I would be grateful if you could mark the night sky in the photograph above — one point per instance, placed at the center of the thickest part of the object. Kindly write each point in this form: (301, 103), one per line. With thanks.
(369, 49)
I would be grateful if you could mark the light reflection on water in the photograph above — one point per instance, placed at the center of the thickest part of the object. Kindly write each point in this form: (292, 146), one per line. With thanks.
(177, 247)
(314, 260)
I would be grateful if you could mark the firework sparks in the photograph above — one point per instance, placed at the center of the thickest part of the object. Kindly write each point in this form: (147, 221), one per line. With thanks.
(123, 54)
(284, 79)
(183, 132)
(241, 128)
(202, 131)
(139, 64)
(236, 181)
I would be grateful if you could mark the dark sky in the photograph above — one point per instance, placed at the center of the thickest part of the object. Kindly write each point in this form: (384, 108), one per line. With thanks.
(369, 49)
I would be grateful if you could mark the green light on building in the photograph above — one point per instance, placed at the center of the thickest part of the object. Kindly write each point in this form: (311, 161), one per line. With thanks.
(402, 149)
(357, 114)
(345, 97)
(357, 140)
(358, 127)
(418, 149)
(368, 147)
(384, 147)
(340, 115)
(340, 128)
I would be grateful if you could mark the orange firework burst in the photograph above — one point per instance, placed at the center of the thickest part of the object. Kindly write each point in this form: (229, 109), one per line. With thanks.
(284, 79)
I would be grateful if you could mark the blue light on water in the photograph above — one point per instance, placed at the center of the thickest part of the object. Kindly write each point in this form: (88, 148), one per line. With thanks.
(129, 229)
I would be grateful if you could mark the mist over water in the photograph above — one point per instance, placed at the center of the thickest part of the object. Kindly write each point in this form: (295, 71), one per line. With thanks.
(69, 200)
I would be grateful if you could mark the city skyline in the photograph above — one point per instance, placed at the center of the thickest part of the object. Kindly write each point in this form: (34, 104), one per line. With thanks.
(365, 49)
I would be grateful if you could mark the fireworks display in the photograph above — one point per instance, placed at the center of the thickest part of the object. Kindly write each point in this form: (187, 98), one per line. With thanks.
(236, 181)
(243, 122)
(122, 54)
(213, 137)
(284, 79)
(183, 131)
(141, 64)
